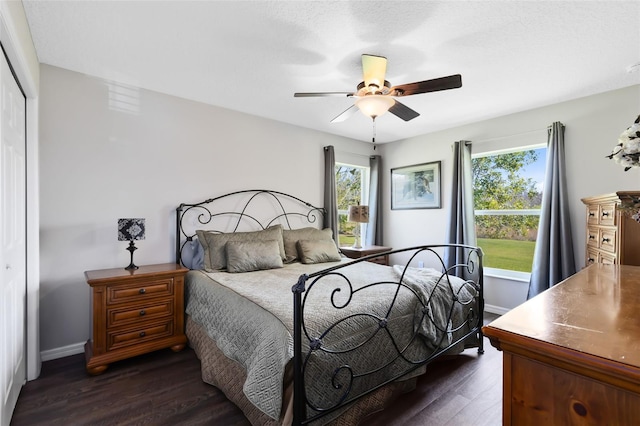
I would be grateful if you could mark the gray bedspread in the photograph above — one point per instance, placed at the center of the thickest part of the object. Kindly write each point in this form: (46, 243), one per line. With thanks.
(250, 317)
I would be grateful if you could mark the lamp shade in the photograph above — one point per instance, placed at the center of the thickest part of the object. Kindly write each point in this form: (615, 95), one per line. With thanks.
(359, 214)
(374, 105)
(130, 229)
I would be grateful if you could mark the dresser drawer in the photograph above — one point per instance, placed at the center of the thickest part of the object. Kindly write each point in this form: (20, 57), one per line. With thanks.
(607, 258)
(592, 256)
(607, 214)
(117, 317)
(593, 214)
(133, 336)
(592, 236)
(607, 239)
(139, 291)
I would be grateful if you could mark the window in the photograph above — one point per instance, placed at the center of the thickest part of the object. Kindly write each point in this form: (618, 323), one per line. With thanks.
(507, 196)
(352, 188)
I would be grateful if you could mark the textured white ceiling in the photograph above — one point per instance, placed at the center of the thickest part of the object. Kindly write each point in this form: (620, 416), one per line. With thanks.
(251, 56)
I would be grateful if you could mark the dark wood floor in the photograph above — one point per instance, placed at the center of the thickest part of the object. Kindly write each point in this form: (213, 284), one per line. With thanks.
(165, 388)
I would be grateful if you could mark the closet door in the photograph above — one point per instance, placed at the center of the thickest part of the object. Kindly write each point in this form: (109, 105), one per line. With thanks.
(13, 240)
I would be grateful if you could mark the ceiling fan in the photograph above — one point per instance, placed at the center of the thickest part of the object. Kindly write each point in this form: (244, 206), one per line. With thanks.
(375, 95)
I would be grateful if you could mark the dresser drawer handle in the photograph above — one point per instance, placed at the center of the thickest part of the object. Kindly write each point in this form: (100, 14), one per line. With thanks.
(590, 260)
(605, 214)
(605, 240)
(142, 312)
(142, 291)
(591, 214)
(142, 334)
(592, 237)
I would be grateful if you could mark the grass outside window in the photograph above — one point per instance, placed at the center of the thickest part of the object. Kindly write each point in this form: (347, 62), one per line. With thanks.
(507, 254)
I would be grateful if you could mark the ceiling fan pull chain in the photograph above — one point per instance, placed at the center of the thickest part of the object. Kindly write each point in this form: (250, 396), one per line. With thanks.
(373, 138)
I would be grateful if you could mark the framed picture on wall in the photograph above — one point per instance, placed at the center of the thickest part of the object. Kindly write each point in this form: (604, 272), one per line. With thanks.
(416, 187)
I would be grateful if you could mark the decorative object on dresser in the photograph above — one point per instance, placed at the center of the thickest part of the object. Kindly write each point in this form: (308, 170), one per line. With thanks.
(134, 312)
(358, 215)
(130, 230)
(578, 362)
(357, 253)
(613, 235)
(627, 151)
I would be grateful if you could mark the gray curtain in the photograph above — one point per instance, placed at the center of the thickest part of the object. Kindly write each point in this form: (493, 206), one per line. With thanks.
(553, 259)
(330, 196)
(374, 227)
(462, 227)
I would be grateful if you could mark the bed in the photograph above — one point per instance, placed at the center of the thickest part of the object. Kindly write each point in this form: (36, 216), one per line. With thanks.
(294, 333)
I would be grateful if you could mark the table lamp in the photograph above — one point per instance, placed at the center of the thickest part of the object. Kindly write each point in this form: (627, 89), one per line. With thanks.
(131, 230)
(358, 214)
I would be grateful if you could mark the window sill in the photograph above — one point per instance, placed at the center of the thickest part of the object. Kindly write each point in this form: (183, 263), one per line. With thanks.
(507, 274)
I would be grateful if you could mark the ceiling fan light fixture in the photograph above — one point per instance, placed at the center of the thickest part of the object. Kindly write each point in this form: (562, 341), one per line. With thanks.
(374, 105)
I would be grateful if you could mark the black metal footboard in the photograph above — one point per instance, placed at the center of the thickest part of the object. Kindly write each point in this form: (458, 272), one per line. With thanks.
(360, 326)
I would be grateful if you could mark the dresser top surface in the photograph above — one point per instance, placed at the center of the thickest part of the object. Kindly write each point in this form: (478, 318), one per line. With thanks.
(595, 312)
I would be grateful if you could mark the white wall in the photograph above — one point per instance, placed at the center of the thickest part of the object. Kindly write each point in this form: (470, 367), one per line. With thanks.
(593, 125)
(109, 151)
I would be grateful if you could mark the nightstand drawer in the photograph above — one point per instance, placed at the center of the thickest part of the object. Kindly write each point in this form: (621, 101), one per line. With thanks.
(382, 260)
(134, 314)
(139, 291)
(121, 338)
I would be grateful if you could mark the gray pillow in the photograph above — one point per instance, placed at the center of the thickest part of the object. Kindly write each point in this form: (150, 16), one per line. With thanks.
(292, 236)
(318, 251)
(213, 243)
(246, 256)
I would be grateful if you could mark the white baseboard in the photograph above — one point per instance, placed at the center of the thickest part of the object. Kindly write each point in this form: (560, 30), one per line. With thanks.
(499, 310)
(48, 355)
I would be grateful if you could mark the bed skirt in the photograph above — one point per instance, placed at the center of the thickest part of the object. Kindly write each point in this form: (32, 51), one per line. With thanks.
(229, 376)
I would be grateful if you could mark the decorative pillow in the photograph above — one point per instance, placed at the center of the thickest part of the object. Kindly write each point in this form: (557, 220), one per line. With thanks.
(291, 238)
(192, 254)
(246, 256)
(213, 243)
(318, 251)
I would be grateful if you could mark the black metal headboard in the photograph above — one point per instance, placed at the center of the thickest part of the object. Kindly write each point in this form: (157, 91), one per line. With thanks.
(247, 210)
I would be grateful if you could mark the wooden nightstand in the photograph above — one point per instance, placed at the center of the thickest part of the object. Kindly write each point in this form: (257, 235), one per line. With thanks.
(357, 253)
(134, 312)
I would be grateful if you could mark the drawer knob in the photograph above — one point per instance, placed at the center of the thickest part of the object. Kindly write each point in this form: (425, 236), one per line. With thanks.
(591, 214)
(590, 260)
(605, 214)
(142, 334)
(142, 291)
(579, 409)
(605, 240)
(592, 237)
(142, 312)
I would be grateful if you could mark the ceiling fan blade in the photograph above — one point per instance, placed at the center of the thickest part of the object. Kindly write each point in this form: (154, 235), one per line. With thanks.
(324, 94)
(403, 111)
(345, 114)
(374, 69)
(434, 85)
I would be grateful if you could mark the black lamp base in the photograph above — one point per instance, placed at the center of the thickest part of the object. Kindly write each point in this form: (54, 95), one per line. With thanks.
(131, 249)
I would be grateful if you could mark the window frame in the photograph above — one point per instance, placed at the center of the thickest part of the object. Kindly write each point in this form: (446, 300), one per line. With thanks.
(364, 193)
(498, 272)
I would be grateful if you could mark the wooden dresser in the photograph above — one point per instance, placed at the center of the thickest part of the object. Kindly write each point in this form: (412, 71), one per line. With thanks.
(572, 353)
(134, 312)
(613, 237)
(357, 253)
